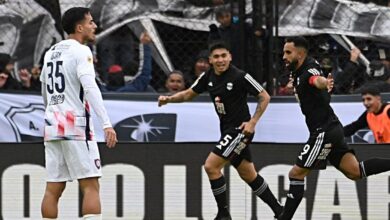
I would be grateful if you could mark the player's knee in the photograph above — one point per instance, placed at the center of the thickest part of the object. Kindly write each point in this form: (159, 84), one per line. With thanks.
(56, 194)
(247, 175)
(353, 174)
(353, 177)
(210, 169)
(351, 170)
(298, 172)
(91, 184)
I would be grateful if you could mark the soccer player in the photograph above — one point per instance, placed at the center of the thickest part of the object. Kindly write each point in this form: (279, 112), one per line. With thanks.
(326, 141)
(376, 117)
(228, 87)
(68, 89)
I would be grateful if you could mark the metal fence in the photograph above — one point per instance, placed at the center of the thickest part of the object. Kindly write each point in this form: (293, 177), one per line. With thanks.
(181, 30)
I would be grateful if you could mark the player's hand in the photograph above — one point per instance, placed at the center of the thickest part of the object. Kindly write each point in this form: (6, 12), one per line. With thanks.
(355, 52)
(25, 77)
(163, 100)
(290, 84)
(145, 38)
(247, 128)
(3, 79)
(330, 82)
(110, 136)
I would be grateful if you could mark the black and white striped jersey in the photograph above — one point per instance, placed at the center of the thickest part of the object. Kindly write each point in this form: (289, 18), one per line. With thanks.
(314, 102)
(229, 92)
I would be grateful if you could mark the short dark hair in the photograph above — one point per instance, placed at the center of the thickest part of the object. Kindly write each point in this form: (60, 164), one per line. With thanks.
(176, 72)
(298, 41)
(221, 10)
(371, 90)
(218, 45)
(73, 16)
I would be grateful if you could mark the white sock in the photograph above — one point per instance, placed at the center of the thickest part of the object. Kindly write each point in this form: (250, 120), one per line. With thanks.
(92, 217)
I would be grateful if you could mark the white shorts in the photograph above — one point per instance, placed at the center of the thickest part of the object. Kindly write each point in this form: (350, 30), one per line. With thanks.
(72, 160)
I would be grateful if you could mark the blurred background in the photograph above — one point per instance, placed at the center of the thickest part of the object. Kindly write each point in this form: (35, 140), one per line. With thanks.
(180, 31)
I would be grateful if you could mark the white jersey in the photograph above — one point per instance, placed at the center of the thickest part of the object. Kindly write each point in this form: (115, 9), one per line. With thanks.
(67, 114)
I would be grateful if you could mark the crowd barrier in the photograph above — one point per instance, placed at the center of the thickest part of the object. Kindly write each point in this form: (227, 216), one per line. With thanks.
(137, 117)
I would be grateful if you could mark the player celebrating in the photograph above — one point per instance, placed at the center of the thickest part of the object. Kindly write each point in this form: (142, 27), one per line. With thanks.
(228, 87)
(68, 88)
(326, 141)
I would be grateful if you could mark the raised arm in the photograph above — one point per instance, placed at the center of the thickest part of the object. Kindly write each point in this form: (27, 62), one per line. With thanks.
(321, 82)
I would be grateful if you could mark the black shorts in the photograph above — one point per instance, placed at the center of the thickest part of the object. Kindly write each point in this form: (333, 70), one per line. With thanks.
(234, 146)
(323, 146)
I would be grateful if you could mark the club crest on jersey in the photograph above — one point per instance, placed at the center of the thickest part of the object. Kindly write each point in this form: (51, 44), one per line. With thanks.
(97, 164)
(229, 86)
(90, 59)
(210, 84)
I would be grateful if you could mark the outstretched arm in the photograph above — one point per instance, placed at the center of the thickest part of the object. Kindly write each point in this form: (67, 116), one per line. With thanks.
(182, 96)
(360, 123)
(321, 82)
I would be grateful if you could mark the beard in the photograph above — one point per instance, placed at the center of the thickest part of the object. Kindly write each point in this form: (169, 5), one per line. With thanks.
(293, 65)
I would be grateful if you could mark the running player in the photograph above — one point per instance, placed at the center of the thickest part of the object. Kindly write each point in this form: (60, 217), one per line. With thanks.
(326, 140)
(228, 87)
(69, 89)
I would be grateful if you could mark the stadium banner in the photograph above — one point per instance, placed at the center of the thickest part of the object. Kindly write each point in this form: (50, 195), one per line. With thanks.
(166, 181)
(21, 119)
(35, 25)
(352, 18)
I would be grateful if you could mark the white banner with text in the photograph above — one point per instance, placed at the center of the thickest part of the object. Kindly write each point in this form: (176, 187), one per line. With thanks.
(21, 119)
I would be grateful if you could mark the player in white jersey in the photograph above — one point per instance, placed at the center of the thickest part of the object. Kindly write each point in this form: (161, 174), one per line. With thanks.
(68, 89)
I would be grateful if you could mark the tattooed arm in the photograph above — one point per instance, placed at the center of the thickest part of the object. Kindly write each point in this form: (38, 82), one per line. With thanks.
(262, 101)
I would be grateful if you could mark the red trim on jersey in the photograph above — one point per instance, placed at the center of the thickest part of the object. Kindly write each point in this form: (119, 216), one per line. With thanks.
(60, 125)
(312, 79)
(87, 106)
(70, 119)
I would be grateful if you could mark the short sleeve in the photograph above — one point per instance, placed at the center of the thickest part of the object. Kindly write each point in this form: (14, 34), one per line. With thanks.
(85, 62)
(252, 86)
(201, 83)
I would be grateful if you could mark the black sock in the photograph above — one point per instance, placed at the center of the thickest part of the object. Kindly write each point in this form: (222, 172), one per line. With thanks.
(374, 166)
(218, 187)
(294, 197)
(261, 189)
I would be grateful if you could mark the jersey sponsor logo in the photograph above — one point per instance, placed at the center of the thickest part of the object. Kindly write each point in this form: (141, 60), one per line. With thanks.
(25, 127)
(325, 152)
(220, 107)
(240, 146)
(314, 72)
(229, 86)
(147, 127)
(57, 99)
